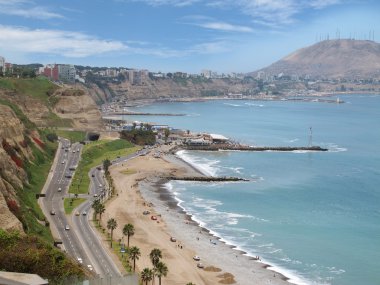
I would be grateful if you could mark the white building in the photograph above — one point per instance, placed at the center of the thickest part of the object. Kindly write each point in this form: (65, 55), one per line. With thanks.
(66, 73)
(206, 73)
(2, 63)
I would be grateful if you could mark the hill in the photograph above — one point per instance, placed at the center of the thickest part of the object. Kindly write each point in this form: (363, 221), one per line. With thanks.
(344, 58)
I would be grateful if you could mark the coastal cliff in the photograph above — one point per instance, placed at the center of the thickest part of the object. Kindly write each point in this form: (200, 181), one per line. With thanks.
(13, 151)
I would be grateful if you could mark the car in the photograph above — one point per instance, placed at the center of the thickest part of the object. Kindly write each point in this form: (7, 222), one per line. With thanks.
(196, 258)
(59, 189)
(67, 227)
(154, 218)
(95, 195)
(173, 239)
(200, 265)
(100, 185)
(76, 213)
(89, 266)
(93, 175)
(52, 212)
(84, 213)
(80, 260)
(146, 212)
(74, 151)
(63, 162)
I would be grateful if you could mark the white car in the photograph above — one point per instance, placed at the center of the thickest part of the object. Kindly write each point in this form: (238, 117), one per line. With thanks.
(80, 260)
(59, 189)
(196, 258)
(200, 265)
(89, 267)
(67, 227)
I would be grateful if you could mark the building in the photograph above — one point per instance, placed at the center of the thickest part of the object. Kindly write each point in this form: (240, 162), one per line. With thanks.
(2, 64)
(215, 138)
(137, 77)
(66, 73)
(206, 73)
(59, 72)
(50, 71)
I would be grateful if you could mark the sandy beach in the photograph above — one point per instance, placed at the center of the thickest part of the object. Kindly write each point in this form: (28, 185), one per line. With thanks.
(139, 187)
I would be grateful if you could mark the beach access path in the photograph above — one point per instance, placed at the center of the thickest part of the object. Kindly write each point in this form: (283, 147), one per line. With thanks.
(223, 264)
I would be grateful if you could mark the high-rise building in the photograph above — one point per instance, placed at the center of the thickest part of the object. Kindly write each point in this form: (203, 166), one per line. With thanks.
(59, 72)
(66, 73)
(2, 64)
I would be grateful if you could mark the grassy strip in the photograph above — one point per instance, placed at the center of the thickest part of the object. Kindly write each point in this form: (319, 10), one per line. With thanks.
(70, 207)
(93, 154)
(116, 247)
(73, 136)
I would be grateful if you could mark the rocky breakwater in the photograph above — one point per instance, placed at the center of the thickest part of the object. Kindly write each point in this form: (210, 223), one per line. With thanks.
(206, 178)
(14, 150)
(217, 147)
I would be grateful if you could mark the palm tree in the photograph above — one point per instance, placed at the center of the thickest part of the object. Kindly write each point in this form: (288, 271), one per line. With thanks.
(190, 283)
(146, 275)
(155, 256)
(134, 253)
(111, 225)
(95, 206)
(101, 210)
(128, 230)
(161, 270)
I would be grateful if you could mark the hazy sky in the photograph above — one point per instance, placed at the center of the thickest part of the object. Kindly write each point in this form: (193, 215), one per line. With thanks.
(176, 35)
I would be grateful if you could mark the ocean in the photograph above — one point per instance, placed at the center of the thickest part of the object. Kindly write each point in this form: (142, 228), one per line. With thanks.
(313, 216)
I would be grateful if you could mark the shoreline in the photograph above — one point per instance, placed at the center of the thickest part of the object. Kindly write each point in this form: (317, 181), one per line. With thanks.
(168, 205)
(142, 102)
(140, 188)
(171, 201)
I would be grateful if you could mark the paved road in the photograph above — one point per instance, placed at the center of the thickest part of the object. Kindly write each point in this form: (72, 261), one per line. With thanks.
(79, 240)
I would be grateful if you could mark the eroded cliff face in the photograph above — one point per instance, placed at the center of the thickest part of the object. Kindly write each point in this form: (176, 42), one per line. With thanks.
(77, 104)
(14, 150)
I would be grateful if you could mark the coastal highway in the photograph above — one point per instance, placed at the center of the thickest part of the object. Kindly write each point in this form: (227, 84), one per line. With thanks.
(78, 238)
(66, 157)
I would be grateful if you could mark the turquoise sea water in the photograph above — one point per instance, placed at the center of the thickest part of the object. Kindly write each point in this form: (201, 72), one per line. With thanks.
(313, 216)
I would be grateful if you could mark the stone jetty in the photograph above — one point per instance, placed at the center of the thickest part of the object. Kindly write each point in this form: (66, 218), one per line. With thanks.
(206, 178)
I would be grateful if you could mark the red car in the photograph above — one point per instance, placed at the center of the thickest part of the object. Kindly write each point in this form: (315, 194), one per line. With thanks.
(154, 218)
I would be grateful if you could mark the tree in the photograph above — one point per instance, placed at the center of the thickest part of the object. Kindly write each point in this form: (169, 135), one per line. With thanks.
(134, 254)
(111, 225)
(128, 230)
(106, 165)
(190, 283)
(167, 133)
(155, 256)
(146, 275)
(95, 206)
(101, 209)
(161, 270)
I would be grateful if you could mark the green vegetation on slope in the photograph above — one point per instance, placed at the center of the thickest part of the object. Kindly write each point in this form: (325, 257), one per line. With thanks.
(139, 136)
(73, 136)
(30, 213)
(93, 154)
(28, 124)
(39, 88)
(30, 254)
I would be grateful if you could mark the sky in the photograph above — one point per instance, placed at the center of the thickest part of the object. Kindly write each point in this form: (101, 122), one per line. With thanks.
(177, 35)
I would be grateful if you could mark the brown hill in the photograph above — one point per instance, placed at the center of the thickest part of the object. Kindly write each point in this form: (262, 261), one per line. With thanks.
(351, 59)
